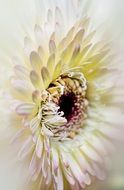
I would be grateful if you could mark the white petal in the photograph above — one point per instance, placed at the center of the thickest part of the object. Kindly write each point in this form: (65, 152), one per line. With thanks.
(34, 124)
(67, 172)
(46, 131)
(99, 146)
(21, 71)
(58, 16)
(55, 159)
(90, 152)
(84, 162)
(26, 148)
(22, 87)
(45, 76)
(44, 165)
(36, 80)
(59, 184)
(38, 34)
(28, 46)
(25, 109)
(17, 135)
(35, 166)
(36, 61)
(100, 173)
(39, 147)
(52, 46)
(76, 170)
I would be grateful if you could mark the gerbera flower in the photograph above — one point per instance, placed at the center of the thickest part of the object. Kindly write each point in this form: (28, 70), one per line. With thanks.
(64, 92)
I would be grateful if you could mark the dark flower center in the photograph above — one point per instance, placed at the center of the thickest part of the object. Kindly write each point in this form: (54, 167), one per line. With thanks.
(69, 95)
(67, 104)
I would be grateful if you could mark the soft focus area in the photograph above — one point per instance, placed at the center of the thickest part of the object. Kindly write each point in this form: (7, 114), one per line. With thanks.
(14, 14)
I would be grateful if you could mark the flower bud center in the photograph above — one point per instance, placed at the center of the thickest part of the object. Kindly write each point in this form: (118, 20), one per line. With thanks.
(69, 94)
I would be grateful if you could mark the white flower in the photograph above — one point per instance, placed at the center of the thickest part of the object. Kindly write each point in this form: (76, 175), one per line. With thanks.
(64, 93)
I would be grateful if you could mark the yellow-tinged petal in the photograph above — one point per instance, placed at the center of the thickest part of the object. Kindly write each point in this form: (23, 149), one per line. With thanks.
(45, 76)
(36, 61)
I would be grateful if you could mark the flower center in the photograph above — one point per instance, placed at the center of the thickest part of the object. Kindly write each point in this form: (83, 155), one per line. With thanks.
(67, 105)
(67, 93)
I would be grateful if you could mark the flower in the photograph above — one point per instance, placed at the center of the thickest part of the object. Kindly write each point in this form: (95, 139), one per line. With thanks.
(64, 95)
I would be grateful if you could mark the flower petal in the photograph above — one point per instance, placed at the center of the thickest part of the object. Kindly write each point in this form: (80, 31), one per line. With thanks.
(36, 61)
(39, 147)
(21, 71)
(90, 152)
(28, 45)
(38, 34)
(45, 76)
(26, 148)
(52, 46)
(25, 109)
(35, 167)
(34, 124)
(55, 159)
(51, 64)
(36, 80)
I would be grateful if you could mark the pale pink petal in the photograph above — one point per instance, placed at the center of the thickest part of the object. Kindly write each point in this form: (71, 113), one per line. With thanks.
(75, 186)
(38, 34)
(36, 96)
(26, 148)
(52, 46)
(34, 124)
(28, 46)
(49, 16)
(59, 184)
(25, 109)
(58, 16)
(35, 166)
(44, 165)
(99, 172)
(39, 147)
(55, 158)
(17, 135)
(76, 170)
(38, 170)
(66, 170)
(21, 71)
(47, 144)
(49, 176)
(21, 86)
